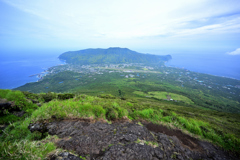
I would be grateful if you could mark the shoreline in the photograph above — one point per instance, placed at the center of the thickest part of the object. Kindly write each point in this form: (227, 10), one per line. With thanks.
(201, 72)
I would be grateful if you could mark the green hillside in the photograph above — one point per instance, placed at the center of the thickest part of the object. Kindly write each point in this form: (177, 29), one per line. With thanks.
(212, 94)
(110, 56)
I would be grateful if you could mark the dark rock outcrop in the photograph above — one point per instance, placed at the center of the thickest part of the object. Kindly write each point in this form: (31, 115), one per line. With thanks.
(7, 107)
(40, 127)
(65, 156)
(128, 141)
(19, 113)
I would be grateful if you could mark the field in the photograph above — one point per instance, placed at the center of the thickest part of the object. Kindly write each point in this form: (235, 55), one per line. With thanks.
(165, 96)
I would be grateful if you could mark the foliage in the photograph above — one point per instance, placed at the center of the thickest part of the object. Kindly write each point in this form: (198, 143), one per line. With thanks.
(65, 96)
(20, 103)
(9, 118)
(4, 92)
(24, 101)
(192, 93)
(17, 142)
(107, 96)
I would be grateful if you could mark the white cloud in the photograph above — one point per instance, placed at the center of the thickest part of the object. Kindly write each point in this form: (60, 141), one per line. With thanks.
(125, 19)
(236, 52)
(108, 22)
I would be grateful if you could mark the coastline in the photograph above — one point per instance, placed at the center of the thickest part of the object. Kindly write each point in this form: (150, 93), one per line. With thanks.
(224, 66)
(202, 72)
(25, 70)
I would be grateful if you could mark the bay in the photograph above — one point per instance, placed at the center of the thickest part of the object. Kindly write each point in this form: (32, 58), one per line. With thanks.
(16, 67)
(215, 64)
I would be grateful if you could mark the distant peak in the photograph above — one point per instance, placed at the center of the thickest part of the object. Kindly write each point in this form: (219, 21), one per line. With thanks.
(118, 48)
(113, 55)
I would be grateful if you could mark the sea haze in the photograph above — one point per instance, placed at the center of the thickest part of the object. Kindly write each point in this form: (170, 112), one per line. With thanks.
(214, 64)
(17, 66)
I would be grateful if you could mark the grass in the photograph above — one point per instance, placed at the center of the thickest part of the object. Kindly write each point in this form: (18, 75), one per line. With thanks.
(17, 142)
(20, 103)
(81, 106)
(23, 102)
(26, 149)
(200, 111)
(152, 144)
(216, 98)
(68, 108)
(164, 96)
(109, 109)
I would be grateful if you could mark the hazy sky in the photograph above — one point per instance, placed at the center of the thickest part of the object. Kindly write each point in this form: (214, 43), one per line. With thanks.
(165, 25)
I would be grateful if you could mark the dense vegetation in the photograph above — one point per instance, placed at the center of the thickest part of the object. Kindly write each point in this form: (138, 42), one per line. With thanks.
(25, 101)
(212, 94)
(110, 56)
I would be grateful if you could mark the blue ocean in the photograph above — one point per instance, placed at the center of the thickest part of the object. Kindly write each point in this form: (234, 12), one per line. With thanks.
(215, 64)
(17, 67)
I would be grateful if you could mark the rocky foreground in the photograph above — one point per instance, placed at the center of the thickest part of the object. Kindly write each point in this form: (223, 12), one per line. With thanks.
(126, 141)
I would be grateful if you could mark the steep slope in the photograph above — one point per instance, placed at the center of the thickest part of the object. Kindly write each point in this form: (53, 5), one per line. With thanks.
(111, 56)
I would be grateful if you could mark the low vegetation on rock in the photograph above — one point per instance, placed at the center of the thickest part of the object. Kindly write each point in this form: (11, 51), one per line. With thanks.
(20, 140)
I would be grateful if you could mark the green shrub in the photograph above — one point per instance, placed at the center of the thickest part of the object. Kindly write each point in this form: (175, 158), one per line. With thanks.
(230, 142)
(107, 96)
(121, 112)
(146, 113)
(167, 119)
(48, 96)
(16, 131)
(115, 104)
(18, 97)
(9, 118)
(4, 92)
(31, 95)
(65, 96)
(19, 100)
(111, 114)
(98, 111)
(129, 104)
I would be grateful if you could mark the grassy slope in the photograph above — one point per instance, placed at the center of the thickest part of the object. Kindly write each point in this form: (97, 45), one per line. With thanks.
(217, 128)
(200, 111)
(164, 96)
(202, 96)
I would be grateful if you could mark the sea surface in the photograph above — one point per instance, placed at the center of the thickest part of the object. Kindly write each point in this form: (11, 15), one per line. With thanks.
(16, 67)
(215, 64)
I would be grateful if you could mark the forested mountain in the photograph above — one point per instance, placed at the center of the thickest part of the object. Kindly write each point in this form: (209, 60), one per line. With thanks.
(114, 55)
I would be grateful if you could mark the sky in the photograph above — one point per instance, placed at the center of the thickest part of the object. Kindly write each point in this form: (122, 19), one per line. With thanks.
(142, 25)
